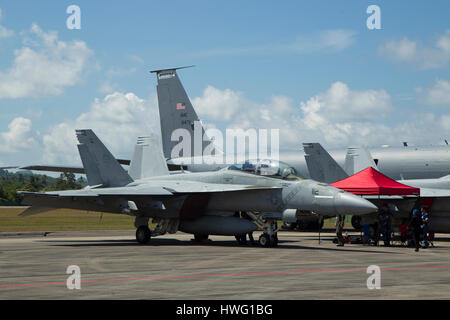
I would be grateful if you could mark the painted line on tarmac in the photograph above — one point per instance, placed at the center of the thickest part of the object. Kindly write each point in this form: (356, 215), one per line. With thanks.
(220, 275)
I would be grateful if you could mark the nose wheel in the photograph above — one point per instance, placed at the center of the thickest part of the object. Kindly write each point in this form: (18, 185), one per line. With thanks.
(266, 240)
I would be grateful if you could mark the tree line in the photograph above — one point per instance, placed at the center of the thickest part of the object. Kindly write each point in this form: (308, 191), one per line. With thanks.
(10, 183)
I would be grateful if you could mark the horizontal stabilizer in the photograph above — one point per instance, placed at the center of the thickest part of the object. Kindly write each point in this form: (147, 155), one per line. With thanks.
(30, 211)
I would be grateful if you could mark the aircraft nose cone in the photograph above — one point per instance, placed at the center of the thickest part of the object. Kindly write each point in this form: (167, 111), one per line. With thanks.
(347, 203)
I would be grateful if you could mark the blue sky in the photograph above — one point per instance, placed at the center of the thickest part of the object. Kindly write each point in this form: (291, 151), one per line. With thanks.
(257, 50)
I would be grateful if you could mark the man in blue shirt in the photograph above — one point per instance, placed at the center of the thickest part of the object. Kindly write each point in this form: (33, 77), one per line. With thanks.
(385, 219)
(425, 225)
(415, 225)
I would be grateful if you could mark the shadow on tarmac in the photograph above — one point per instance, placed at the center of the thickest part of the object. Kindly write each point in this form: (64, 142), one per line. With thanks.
(155, 242)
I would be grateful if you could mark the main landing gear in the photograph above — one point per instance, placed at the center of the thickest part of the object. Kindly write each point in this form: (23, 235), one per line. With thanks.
(143, 234)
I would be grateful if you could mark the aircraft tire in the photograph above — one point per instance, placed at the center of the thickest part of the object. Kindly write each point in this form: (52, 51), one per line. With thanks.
(143, 234)
(264, 240)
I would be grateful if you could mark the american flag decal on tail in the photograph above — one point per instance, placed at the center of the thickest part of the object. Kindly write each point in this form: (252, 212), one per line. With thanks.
(181, 106)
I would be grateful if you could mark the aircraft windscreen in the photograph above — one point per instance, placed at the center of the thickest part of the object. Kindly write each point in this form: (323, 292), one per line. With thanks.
(268, 168)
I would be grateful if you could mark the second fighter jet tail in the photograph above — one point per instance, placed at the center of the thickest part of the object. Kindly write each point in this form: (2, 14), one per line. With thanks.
(100, 165)
(148, 160)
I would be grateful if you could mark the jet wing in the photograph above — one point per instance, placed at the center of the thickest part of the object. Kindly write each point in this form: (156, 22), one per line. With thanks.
(167, 188)
(120, 191)
(45, 201)
(59, 168)
(53, 168)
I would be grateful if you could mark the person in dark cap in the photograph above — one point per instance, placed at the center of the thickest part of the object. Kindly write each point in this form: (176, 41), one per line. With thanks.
(415, 225)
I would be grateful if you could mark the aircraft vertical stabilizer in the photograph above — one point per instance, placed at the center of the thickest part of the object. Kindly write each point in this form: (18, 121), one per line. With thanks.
(148, 159)
(321, 166)
(358, 159)
(100, 165)
(175, 112)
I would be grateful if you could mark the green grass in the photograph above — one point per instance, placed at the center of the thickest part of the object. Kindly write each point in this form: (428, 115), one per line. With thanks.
(331, 223)
(66, 220)
(63, 220)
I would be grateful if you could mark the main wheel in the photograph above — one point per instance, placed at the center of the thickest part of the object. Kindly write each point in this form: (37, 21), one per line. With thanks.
(143, 234)
(264, 240)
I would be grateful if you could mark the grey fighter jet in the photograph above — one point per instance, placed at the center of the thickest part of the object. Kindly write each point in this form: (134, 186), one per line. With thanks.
(199, 203)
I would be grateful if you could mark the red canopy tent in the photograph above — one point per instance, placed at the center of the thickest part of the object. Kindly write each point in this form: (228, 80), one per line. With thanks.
(372, 182)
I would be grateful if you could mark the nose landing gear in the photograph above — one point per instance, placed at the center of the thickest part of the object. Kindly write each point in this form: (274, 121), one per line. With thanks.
(266, 240)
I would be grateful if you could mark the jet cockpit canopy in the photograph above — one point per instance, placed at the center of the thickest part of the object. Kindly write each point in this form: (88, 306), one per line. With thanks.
(269, 168)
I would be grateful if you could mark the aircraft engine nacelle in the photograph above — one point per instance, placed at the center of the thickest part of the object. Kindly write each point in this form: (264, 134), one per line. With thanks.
(217, 225)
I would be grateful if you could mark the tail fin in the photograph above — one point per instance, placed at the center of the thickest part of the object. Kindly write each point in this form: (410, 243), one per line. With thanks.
(321, 166)
(176, 112)
(100, 165)
(148, 160)
(358, 159)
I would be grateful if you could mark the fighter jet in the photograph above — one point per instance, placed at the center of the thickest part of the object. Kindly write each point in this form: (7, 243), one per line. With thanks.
(199, 203)
(433, 192)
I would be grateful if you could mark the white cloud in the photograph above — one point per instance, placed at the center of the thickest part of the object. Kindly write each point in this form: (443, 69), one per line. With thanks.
(118, 119)
(445, 122)
(403, 50)
(325, 41)
(217, 105)
(340, 103)
(19, 136)
(107, 87)
(4, 33)
(424, 57)
(337, 117)
(44, 67)
(137, 59)
(439, 94)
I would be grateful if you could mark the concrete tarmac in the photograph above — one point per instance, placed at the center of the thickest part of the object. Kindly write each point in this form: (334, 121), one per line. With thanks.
(114, 266)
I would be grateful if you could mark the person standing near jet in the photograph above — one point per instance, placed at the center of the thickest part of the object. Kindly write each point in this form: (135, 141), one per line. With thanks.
(425, 225)
(415, 225)
(340, 221)
(385, 218)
